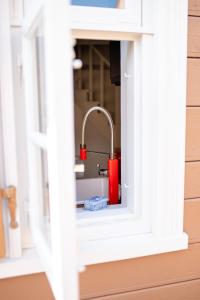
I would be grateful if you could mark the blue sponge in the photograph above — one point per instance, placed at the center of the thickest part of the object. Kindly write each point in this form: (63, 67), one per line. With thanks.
(95, 203)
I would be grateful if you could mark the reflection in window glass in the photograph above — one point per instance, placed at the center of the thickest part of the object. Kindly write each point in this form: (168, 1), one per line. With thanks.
(99, 3)
(44, 205)
(40, 67)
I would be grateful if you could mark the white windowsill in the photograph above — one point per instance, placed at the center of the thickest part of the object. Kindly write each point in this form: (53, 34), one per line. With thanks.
(129, 247)
(93, 252)
(28, 264)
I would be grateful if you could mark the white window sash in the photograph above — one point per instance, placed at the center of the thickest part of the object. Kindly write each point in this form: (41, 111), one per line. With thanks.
(8, 124)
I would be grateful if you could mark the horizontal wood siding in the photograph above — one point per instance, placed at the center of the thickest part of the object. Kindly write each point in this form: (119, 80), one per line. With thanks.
(192, 134)
(193, 86)
(189, 290)
(31, 287)
(141, 273)
(194, 7)
(194, 37)
(192, 220)
(192, 180)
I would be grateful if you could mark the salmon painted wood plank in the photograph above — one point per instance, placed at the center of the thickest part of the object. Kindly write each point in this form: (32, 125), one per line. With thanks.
(31, 287)
(192, 180)
(194, 7)
(188, 290)
(193, 37)
(2, 238)
(192, 220)
(192, 134)
(140, 273)
(193, 86)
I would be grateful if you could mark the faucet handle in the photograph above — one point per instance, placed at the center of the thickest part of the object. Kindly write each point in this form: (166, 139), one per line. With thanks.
(102, 172)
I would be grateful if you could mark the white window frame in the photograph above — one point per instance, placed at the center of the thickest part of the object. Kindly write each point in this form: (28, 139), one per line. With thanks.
(8, 129)
(82, 17)
(159, 111)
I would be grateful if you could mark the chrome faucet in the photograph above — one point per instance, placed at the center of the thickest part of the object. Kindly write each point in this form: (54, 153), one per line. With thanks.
(112, 171)
(107, 114)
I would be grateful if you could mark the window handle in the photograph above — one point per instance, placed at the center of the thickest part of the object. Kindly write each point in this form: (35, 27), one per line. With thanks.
(10, 194)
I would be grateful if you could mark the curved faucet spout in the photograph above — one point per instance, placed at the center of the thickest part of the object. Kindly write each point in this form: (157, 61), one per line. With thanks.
(108, 116)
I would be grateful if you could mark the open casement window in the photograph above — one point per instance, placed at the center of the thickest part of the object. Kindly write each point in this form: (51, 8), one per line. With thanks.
(47, 56)
(149, 220)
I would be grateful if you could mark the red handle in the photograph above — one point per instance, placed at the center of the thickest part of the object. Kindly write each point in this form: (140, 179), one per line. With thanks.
(113, 181)
(83, 152)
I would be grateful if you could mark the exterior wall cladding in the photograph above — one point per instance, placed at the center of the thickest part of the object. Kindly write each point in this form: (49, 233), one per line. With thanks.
(173, 275)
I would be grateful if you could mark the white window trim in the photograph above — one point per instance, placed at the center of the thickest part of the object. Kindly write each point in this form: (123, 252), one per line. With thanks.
(16, 12)
(163, 96)
(83, 17)
(28, 263)
(8, 126)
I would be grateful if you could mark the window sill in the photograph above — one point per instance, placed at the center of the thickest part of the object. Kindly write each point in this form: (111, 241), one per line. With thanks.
(99, 251)
(29, 263)
(128, 247)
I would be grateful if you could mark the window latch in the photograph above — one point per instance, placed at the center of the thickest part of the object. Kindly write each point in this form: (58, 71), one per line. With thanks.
(10, 194)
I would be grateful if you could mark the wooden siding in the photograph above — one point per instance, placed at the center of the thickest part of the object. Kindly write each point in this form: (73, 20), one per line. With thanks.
(193, 86)
(188, 290)
(32, 287)
(192, 133)
(141, 273)
(194, 7)
(192, 220)
(194, 37)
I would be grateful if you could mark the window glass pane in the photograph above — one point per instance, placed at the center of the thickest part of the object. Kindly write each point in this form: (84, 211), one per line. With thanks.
(99, 3)
(40, 73)
(44, 196)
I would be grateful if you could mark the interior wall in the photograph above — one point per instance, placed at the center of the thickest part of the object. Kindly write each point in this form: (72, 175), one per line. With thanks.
(174, 275)
(88, 94)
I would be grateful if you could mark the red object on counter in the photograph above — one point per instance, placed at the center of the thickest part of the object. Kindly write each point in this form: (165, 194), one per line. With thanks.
(83, 153)
(113, 181)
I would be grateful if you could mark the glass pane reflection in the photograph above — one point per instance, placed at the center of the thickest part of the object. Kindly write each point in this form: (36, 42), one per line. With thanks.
(99, 3)
(44, 205)
(40, 67)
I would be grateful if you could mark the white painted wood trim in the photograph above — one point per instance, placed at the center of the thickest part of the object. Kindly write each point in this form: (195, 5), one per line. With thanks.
(28, 263)
(58, 45)
(160, 99)
(95, 18)
(16, 12)
(39, 139)
(102, 251)
(61, 266)
(170, 113)
(94, 252)
(8, 120)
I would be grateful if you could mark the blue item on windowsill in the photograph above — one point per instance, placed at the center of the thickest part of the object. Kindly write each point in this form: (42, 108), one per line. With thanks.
(96, 203)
